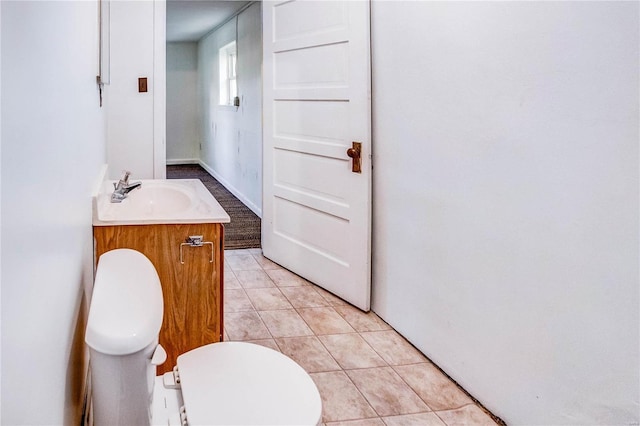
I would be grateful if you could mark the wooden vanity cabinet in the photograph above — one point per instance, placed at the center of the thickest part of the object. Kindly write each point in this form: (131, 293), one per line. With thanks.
(192, 290)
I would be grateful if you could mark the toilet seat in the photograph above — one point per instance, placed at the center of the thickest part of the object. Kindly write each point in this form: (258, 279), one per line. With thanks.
(246, 384)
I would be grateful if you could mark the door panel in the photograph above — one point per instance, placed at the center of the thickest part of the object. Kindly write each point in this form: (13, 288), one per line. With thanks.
(299, 120)
(316, 211)
(302, 68)
(300, 19)
(295, 219)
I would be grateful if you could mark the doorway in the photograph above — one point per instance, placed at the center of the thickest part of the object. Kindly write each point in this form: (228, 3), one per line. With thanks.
(220, 139)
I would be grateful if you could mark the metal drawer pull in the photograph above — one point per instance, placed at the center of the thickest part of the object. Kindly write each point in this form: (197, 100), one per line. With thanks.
(195, 241)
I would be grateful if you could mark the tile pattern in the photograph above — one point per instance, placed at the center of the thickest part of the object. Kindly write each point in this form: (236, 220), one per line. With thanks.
(367, 374)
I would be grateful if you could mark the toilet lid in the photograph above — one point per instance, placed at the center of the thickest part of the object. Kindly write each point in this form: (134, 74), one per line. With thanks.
(241, 383)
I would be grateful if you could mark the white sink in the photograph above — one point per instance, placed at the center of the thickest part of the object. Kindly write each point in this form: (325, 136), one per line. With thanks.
(156, 198)
(159, 201)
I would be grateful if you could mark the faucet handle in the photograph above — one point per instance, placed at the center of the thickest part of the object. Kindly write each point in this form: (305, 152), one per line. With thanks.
(125, 177)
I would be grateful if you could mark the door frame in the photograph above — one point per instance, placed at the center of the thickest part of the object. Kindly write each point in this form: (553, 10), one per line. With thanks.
(159, 91)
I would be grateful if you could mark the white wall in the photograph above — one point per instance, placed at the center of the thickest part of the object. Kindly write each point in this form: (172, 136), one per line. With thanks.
(0, 213)
(133, 127)
(52, 150)
(183, 130)
(506, 200)
(232, 137)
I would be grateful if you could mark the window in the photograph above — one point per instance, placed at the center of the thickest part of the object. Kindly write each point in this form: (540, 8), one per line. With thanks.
(228, 86)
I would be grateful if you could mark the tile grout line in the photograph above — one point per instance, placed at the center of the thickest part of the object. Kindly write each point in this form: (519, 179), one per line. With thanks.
(410, 388)
(254, 309)
(475, 402)
(387, 364)
(355, 331)
(342, 370)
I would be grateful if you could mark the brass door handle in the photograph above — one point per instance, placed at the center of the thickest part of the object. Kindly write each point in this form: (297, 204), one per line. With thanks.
(355, 154)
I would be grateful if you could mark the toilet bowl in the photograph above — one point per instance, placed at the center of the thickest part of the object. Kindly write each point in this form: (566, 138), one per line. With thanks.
(222, 383)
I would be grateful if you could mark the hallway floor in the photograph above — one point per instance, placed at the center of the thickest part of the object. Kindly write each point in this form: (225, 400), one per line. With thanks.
(366, 372)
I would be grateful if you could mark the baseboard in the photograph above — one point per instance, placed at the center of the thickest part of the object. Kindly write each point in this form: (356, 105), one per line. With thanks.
(180, 161)
(239, 195)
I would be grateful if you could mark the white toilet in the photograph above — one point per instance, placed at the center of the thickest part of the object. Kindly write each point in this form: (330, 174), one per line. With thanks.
(222, 383)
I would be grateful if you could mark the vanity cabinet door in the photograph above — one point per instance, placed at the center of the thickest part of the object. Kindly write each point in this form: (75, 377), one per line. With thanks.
(191, 284)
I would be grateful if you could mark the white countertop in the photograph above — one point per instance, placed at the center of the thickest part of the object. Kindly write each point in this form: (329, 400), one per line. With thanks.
(159, 201)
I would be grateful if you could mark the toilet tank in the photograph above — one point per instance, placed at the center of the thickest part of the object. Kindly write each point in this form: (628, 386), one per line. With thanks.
(122, 334)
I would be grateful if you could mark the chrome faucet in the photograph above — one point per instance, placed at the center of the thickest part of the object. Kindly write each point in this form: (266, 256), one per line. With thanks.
(123, 187)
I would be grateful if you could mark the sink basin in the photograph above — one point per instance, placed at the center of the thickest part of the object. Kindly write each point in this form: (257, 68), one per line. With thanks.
(158, 198)
(159, 201)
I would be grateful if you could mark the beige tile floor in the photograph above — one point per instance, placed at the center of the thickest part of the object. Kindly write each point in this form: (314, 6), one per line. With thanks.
(366, 372)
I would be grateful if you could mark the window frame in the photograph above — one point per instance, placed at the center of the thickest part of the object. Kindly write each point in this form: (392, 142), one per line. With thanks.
(228, 74)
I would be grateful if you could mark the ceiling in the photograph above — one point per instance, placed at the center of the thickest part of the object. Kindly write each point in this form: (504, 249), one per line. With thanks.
(190, 20)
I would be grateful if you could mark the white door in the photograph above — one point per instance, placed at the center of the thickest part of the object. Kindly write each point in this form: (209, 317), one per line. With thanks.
(317, 101)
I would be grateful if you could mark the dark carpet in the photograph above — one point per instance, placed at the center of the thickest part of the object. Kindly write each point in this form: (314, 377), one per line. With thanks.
(244, 229)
